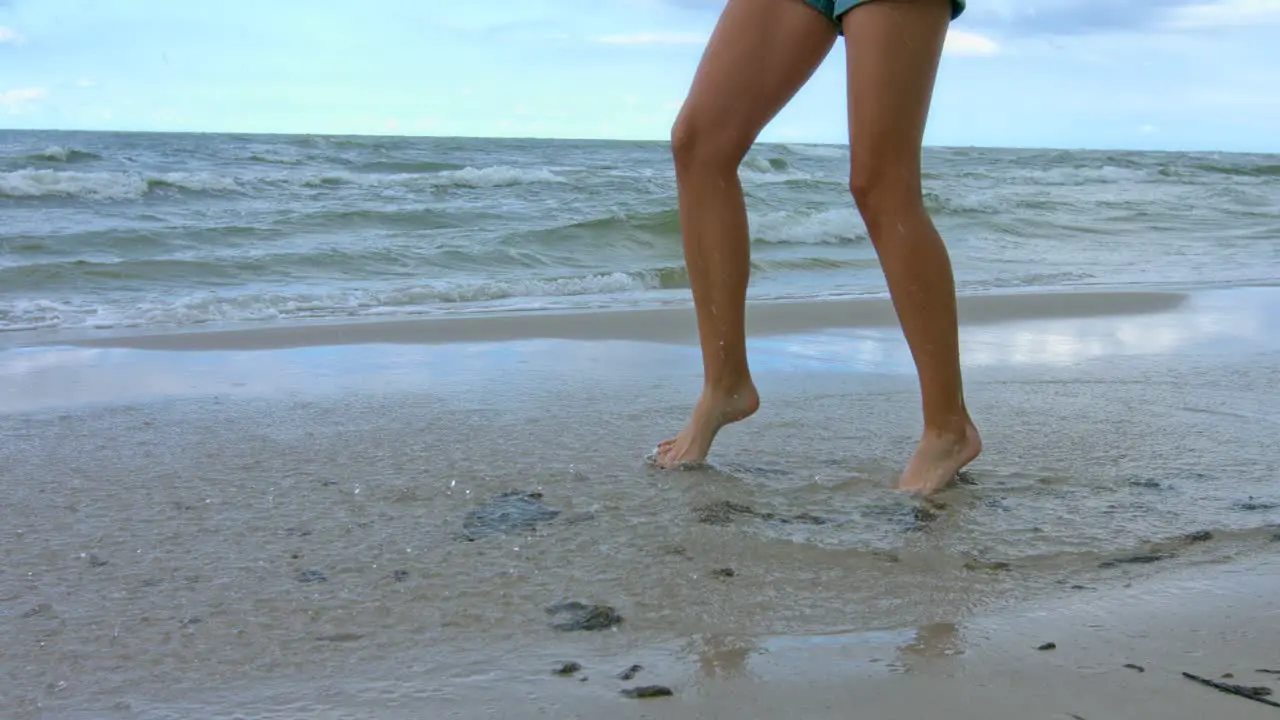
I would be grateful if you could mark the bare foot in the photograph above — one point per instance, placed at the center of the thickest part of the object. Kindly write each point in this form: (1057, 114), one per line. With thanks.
(713, 411)
(938, 458)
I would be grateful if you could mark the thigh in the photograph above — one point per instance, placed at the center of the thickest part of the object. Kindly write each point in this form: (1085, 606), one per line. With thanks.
(760, 54)
(840, 7)
(893, 50)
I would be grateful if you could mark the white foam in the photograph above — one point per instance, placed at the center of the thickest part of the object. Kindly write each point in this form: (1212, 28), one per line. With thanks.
(1081, 174)
(837, 226)
(494, 177)
(105, 185)
(219, 307)
(93, 185)
(820, 151)
(132, 186)
(487, 177)
(55, 152)
(31, 315)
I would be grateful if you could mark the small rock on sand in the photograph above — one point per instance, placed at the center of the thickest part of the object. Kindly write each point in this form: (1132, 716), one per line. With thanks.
(574, 615)
(648, 691)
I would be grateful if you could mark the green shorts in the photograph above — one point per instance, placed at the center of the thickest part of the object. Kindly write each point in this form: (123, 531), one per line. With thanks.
(835, 8)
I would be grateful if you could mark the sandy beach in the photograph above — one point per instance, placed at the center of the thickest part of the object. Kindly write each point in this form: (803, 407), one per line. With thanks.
(281, 522)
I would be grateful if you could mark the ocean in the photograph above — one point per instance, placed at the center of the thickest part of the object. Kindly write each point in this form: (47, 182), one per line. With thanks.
(121, 230)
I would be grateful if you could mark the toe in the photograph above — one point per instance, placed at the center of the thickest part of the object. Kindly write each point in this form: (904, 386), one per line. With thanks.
(670, 456)
(663, 456)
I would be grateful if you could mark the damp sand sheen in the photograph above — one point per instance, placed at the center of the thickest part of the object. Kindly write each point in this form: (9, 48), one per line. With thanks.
(445, 512)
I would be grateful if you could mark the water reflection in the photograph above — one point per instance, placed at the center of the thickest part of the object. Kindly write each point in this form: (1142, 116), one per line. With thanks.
(1238, 320)
(722, 656)
(1220, 321)
(48, 377)
(933, 641)
(927, 648)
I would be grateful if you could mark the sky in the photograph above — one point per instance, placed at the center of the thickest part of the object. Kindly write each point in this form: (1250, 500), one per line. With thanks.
(1133, 74)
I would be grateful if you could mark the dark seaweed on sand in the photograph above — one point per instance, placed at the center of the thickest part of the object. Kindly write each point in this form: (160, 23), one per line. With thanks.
(725, 512)
(573, 615)
(1143, 559)
(509, 512)
(1257, 694)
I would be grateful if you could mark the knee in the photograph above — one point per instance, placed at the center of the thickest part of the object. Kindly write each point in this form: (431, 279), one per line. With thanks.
(698, 142)
(883, 186)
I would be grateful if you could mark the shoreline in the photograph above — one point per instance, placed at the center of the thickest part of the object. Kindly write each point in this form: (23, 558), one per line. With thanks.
(860, 336)
(661, 323)
(675, 324)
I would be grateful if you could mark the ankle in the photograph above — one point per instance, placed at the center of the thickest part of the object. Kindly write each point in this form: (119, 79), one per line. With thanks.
(729, 388)
(951, 428)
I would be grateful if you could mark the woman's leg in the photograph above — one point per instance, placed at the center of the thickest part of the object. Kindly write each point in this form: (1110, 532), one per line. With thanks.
(761, 53)
(893, 49)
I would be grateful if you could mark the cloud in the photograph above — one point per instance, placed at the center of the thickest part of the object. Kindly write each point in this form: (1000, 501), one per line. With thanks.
(1081, 17)
(1073, 17)
(1225, 14)
(961, 42)
(22, 95)
(17, 99)
(655, 38)
(696, 4)
(9, 35)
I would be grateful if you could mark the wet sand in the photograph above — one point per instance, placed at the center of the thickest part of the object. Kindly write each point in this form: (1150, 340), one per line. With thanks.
(1117, 654)
(267, 522)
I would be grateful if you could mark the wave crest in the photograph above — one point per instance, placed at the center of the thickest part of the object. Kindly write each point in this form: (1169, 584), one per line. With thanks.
(105, 185)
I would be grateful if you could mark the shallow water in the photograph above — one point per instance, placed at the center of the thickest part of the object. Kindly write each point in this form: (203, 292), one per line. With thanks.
(285, 523)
